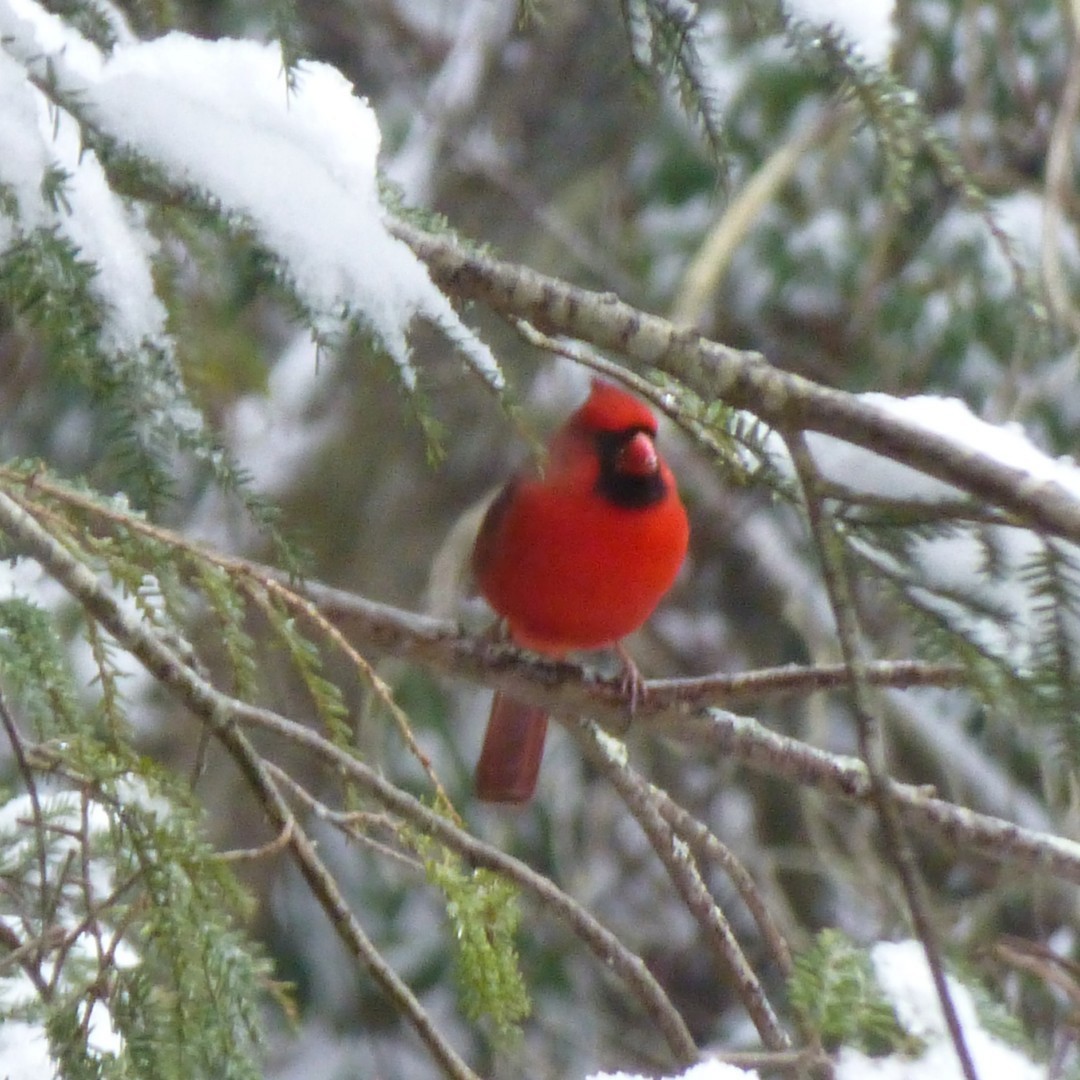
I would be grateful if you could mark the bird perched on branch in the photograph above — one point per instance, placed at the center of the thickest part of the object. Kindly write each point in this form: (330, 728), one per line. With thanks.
(575, 556)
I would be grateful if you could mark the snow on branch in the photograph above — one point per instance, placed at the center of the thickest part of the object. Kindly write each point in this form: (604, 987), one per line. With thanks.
(293, 159)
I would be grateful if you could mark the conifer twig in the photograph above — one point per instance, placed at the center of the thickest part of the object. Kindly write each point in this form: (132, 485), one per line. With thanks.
(872, 741)
(224, 714)
(675, 855)
(15, 738)
(212, 707)
(739, 378)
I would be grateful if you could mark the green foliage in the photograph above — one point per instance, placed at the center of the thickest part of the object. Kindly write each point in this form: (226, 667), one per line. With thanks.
(227, 608)
(307, 660)
(132, 959)
(34, 667)
(93, 20)
(892, 110)
(125, 919)
(742, 447)
(911, 145)
(484, 917)
(287, 32)
(834, 993)
(1052, 578)
(198, 979)
(118, 862)
(1003, 601)
(141, 405)
(667, 36)
(45, 279)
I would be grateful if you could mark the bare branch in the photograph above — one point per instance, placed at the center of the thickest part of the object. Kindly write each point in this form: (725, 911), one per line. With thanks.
(676, 857)
(708, 848)
(605, 945)
(872, 738)
(742, 379)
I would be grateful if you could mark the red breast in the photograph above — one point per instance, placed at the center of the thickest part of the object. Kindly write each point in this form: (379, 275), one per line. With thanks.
(577, 557)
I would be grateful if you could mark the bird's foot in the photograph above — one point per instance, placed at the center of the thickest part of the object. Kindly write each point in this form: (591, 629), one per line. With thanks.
(631, 684)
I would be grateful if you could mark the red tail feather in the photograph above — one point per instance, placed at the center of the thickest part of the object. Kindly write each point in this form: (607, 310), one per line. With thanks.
(513, 748)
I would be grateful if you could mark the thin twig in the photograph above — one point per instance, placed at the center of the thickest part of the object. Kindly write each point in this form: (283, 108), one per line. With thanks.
(707, 846)
(872, 741)
(29, 954)
(674, 854)
(30, 783)
(766, 539)
(325, 889)
(207, 703)
(314, 616)
(608, 949)
(741, 379)
(263, 851)
(795, 680)
(743, 739)
(92, 926)
(347, 822)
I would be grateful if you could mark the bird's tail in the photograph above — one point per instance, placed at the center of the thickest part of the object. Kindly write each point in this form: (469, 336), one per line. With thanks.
(513, 747)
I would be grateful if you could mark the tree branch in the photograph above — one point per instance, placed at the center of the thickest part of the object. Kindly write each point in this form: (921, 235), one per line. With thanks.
(675, 855)
(741, 379)
(212, 707)
(222, 714)
(677, 709)
(872, 738)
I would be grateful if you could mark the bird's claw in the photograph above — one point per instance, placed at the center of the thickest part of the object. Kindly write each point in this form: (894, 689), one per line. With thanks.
(631, 684)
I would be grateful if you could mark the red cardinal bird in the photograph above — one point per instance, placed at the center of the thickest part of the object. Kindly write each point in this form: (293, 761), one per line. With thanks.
(575, 557)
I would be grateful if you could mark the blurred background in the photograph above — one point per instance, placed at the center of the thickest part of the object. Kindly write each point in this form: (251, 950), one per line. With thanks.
(533, 131)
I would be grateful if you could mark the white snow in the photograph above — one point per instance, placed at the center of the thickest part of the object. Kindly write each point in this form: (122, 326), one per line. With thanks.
(296, 166)
(1007, 444)
(273, 429)
(38, 138)
(953, 565)
(1021, 216)
(25, 26)
(904, 976)
(24, 1049)
(25, 156)
(114, 237)
(866, 24)
(872, 474)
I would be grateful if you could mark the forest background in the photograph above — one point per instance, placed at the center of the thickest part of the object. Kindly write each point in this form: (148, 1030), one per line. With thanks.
(285, 290)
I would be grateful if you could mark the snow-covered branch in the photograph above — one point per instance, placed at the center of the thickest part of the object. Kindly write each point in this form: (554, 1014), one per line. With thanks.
(1038, 492)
